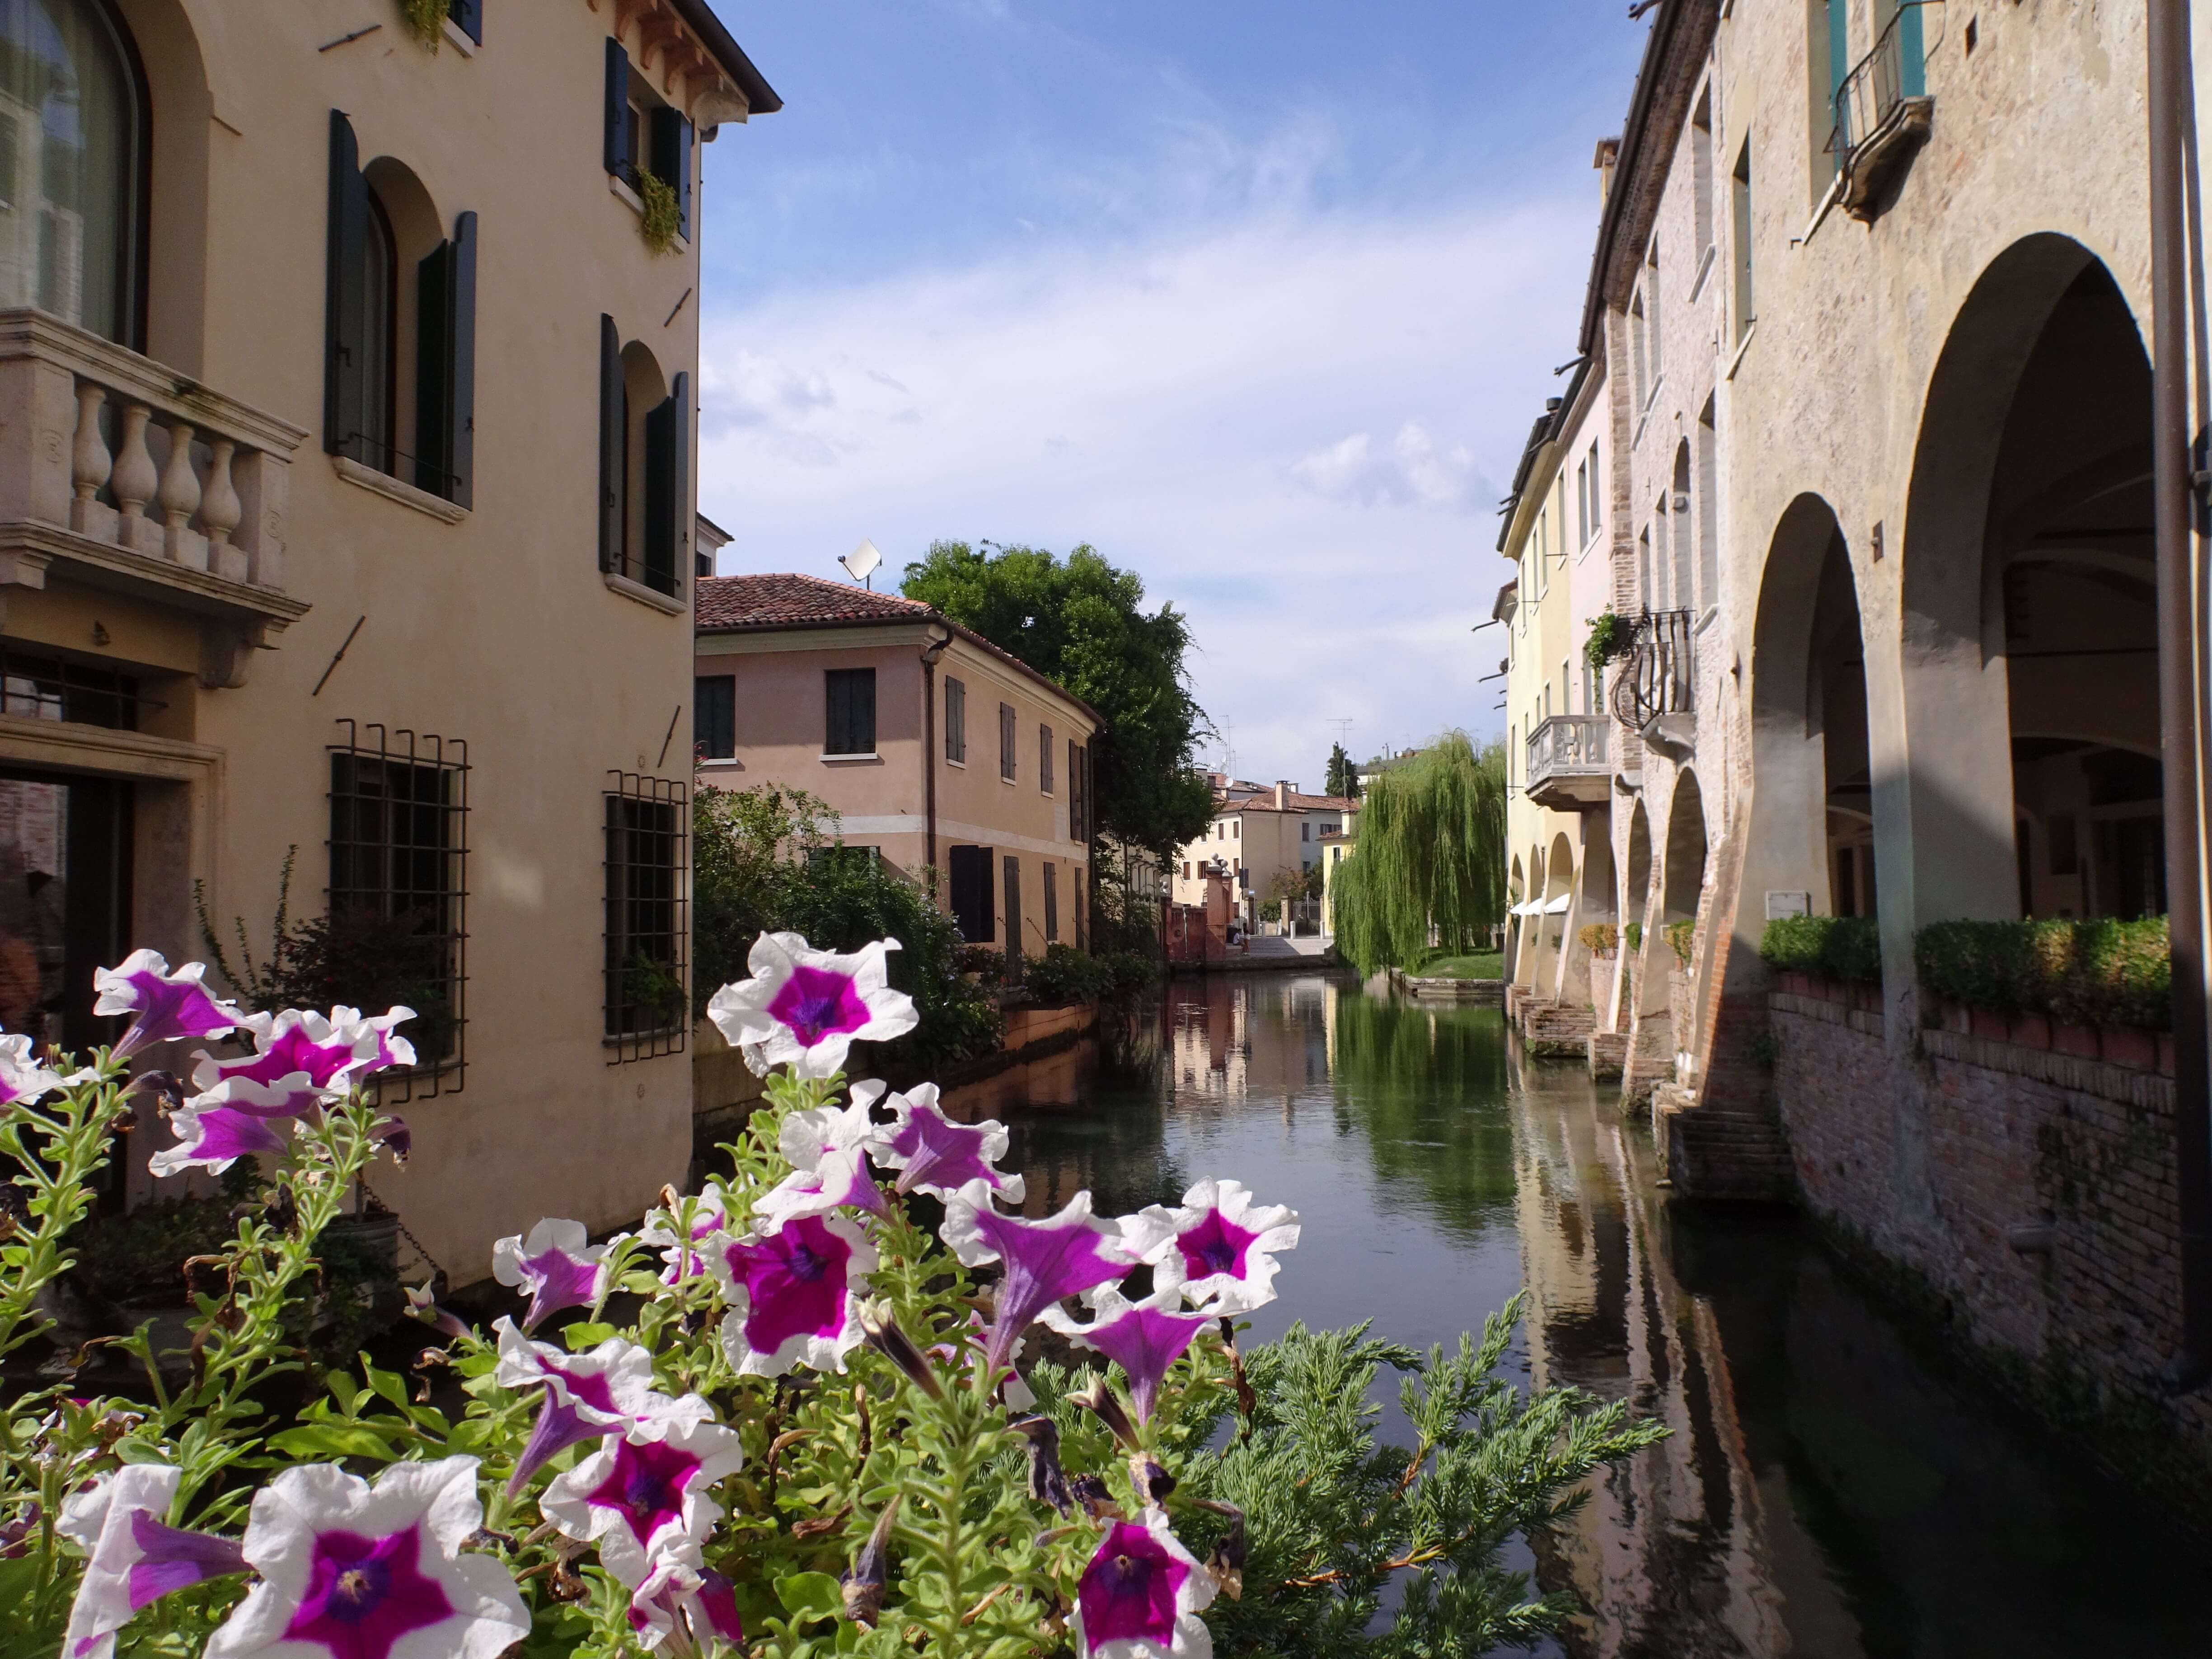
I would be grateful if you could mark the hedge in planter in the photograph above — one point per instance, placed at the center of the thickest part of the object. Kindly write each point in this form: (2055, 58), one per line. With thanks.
(2100, 972)
(1845, 948)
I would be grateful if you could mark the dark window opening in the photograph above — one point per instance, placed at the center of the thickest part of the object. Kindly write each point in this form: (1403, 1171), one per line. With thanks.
(55, 689)
(648, 999)
(969, 873)
(1051, 904)
(850, 694)
(715, 717)
(397, 920)
(65, 867)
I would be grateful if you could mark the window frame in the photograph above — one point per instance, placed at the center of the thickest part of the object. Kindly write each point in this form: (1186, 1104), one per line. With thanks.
(633, 795)
(956, 722)
(851, 679)
(1044, 759)
(1009, 743)
(725, 688)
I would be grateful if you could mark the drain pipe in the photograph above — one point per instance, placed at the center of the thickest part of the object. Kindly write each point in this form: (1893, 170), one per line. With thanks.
(2170, 97)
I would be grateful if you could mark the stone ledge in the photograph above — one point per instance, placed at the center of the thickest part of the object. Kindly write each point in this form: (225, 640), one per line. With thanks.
(1829, 1013)
(2146, 1090)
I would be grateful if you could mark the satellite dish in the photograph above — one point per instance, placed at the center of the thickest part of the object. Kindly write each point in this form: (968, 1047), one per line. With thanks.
(861, 561)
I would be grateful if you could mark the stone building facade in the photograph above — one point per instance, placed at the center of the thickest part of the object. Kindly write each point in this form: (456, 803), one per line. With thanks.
(346, 491)
(1880, 278)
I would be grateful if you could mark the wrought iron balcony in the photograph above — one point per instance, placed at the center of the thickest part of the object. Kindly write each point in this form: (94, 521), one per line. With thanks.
(1569, 762)
(1883, 112)
(1653, 693)
(118, 473)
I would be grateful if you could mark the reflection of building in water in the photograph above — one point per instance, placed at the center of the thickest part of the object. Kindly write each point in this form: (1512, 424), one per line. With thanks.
(1671, 1553)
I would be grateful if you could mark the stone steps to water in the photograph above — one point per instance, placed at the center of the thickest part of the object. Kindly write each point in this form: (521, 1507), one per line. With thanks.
(1731, 1155)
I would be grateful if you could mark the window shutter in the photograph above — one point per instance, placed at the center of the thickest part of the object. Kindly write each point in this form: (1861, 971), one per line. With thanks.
(619, 161)
(611, 444)
(660, 424)
(461, 381)
(672, 162)
(468, 18)
(1045, 760)
(445, 370)
(345, 370)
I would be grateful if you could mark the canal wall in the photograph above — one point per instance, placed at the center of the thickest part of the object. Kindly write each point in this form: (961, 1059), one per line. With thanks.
(2027, 1197)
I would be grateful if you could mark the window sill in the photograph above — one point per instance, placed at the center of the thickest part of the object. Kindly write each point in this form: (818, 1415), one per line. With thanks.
(459, 41)
(1704, 270)
(384, 485)
(1742, 346)
(853, 760)
(1008, 781)
(957, 766)
(636, 204)
(721, 762)
(666, 603)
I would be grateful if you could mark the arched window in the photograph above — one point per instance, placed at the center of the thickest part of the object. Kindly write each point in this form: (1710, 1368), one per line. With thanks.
(70, 133)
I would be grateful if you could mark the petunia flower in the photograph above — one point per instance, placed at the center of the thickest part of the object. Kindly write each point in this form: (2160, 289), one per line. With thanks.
(790, 1295)
(212, 1136)
(1045, 1260)
(423, 1305)
(357, 1572)
(708, 1217)
(166, 1005)
(936, 1154)
(392, 1048)
(557, 1265)
(331, 1052)
(685, 1607)
(644, 1495)
(806, 1007)
(135, 1558)
(826, 1148)
(588, 1397)
(1141, 1594)
(21, 1077)
(1219, 1249)
(1144, 1337)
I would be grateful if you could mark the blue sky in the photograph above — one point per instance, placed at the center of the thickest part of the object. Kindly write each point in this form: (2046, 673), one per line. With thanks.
(1258, 299)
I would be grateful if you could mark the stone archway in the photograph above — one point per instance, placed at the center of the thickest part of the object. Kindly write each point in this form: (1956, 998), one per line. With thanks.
(1558, 898)
(2023, 776)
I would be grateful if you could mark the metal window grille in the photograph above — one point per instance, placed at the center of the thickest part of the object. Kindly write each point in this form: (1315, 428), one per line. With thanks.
(398, 891)
(55, 689)
(649, 993)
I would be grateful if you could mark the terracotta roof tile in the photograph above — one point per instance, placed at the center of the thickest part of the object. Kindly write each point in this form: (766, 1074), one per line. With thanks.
(764, 604)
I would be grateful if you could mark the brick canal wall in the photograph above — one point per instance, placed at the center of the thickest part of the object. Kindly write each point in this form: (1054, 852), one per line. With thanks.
(2028, 1194)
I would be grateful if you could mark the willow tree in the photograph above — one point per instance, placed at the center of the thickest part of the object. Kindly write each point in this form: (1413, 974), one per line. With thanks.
(1427, 869)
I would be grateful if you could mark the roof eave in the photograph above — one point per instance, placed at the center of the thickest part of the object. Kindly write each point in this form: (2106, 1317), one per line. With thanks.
(760, 97)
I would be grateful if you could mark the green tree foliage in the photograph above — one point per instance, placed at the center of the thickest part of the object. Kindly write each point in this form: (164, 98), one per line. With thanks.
(1429, 857)
(1081, 624)
(1343, 775)
(765, 861)
(1847, 948)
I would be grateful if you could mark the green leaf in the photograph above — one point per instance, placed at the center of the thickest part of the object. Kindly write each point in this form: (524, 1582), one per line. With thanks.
(580, 1337)
(390, 1385)
(333, 1440)
(345, 1390)
(809, 1597)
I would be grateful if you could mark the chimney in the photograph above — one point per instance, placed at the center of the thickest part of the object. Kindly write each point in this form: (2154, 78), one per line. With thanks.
(1282, 795)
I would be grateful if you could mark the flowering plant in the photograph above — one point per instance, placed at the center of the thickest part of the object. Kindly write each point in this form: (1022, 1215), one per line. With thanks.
(785, 1416)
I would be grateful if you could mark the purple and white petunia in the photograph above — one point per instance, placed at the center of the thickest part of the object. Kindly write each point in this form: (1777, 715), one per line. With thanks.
(709, 1216)
(355, 1572)
(686, 1606)
(826, 1148)
(392, 1048)
(1219, 1249)
(557, 1265)
(1045, 1260)
(212, 1135)
(588, 1397)
(1144, 1337)
(644, 1495)
(791, 1294)
(329, 1053)
(166, 1005)
(805, 1008)
(134, 1558)
(1141, 1596)
(933, 1154)
(21, 1077)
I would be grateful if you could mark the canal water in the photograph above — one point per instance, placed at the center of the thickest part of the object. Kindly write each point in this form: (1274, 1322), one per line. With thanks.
(1829, 1490)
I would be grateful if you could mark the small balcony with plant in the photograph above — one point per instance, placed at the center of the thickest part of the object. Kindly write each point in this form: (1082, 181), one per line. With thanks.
(1653, 693)
(1883, 109)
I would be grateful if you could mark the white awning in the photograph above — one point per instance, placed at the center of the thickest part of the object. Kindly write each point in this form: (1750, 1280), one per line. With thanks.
(1526, 908)
(1558, 906)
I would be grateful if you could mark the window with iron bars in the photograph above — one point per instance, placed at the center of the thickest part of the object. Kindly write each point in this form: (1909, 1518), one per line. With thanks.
(55, 689)
(398, 892)
(648, 996)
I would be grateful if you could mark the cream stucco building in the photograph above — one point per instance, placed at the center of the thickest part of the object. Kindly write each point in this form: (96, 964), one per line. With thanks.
(345, 490)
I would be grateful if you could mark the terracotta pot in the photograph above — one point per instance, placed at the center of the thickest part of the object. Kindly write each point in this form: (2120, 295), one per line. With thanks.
(2031, 1031)
(2130, 1046)
(1994, 1028)
(2080, 1041)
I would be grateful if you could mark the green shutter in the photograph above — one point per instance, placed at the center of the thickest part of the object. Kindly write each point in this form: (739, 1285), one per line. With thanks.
(614, 143)
(345, 375)
(611, 483)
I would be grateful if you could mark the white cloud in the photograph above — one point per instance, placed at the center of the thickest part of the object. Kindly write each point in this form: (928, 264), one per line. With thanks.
(1183, 401)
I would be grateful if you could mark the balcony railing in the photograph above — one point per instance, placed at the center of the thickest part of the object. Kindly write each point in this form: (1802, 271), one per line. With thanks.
(1882, 107)
(1569, 745)
(1657, 678)
(118, 472)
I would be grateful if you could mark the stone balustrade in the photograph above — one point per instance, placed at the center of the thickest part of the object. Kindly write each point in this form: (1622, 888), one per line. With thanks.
(98, 440)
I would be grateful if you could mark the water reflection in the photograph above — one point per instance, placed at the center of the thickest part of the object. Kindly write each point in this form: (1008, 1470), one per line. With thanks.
(1828, 1490)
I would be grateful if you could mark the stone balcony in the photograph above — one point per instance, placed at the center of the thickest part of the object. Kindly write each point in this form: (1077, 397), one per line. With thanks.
(120, 474)
(1570, 763)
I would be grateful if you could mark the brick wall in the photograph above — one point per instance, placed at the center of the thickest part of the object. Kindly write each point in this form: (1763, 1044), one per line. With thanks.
(2033, 1191)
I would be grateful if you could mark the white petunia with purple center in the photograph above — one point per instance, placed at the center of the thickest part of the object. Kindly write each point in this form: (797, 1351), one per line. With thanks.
(805, 1008)
(165, 1007)
(135, 1557)
(1045, 1262)
(826, 1148)
(644, 1495)
(329, 1053)
(935, 1154)
(22, 1077)
(213, 1134)
(607, 1389)
(354, 1571)
(1219, 1249)
(1141, 1596)
(1144, 1337)
(557, 1266)
(791, 1294)
(695, 1606)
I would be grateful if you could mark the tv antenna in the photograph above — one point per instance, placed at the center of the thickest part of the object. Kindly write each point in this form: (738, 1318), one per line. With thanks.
(1343, 731)
(860, 563)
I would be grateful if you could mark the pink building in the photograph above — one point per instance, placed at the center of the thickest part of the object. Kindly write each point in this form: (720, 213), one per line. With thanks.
(936, 748)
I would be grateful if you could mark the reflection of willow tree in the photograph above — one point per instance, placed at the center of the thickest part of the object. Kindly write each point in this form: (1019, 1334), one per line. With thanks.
(1116, 1145)
(1428, 858)
(1428, 1089)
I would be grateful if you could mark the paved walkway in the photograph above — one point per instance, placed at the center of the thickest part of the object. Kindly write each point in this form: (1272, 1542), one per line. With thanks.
(1275, 945)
